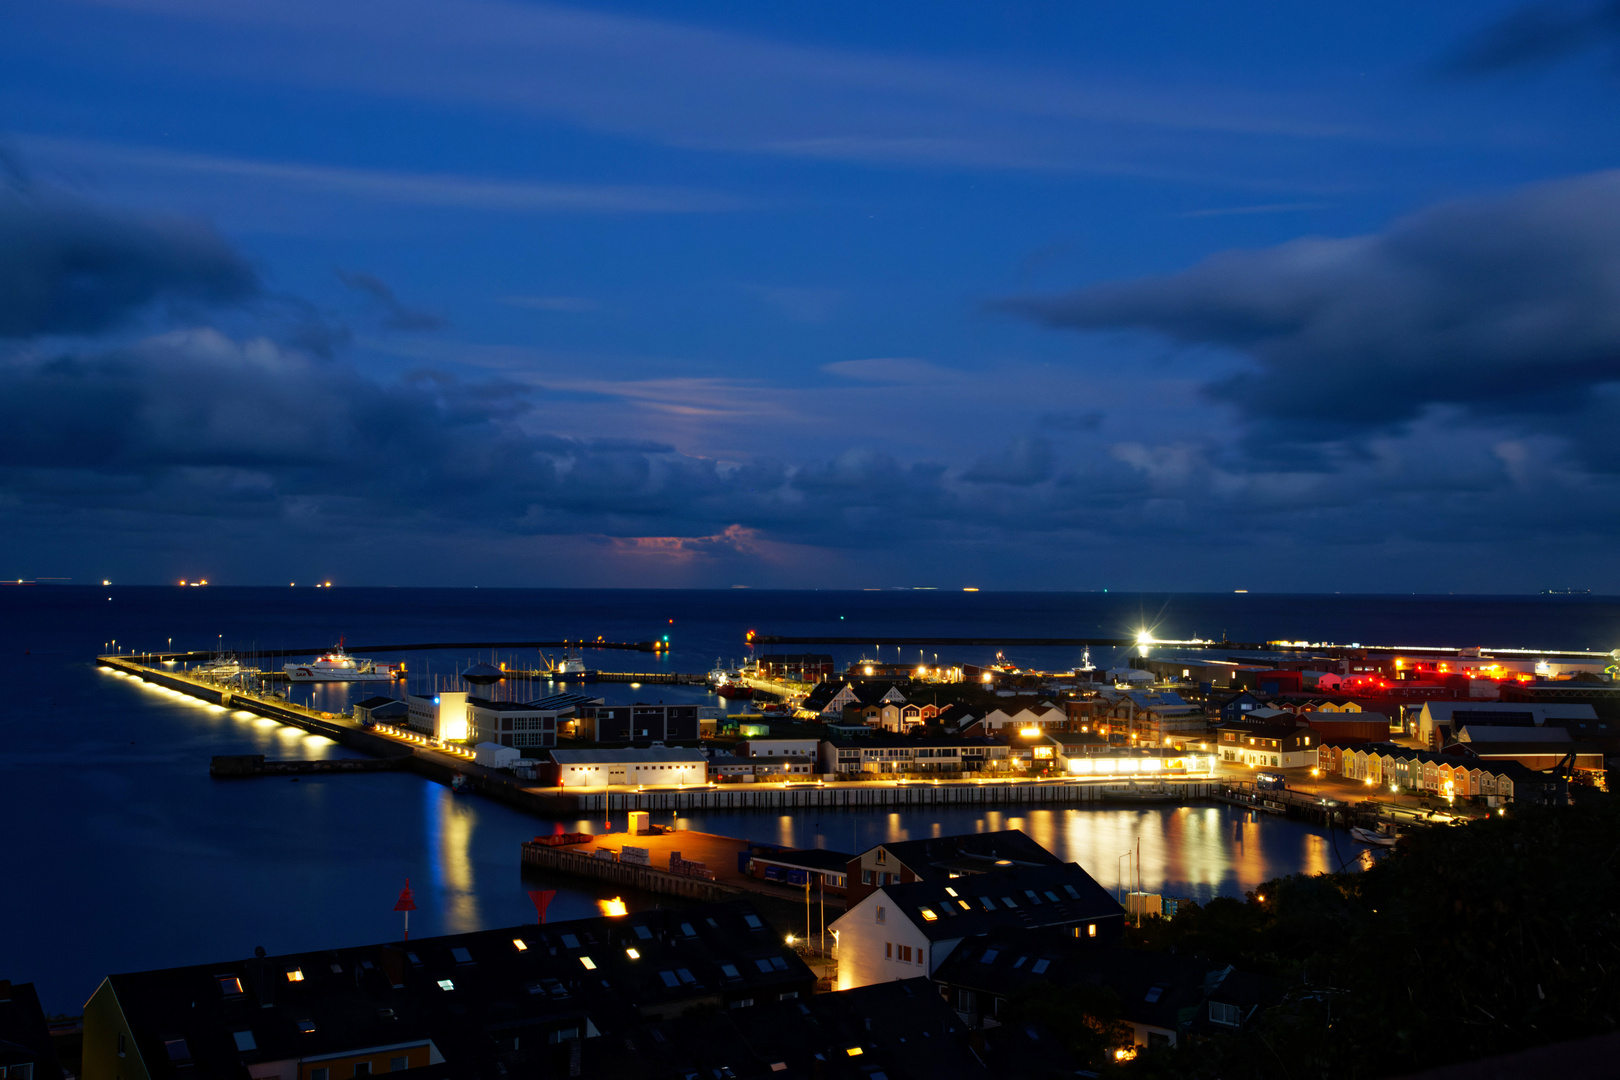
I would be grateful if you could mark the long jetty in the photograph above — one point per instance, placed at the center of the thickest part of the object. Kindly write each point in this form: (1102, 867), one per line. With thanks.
(419, 646)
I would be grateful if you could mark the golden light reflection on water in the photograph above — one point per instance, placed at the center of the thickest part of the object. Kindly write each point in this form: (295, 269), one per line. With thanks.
(1196, 851)
(450, 828)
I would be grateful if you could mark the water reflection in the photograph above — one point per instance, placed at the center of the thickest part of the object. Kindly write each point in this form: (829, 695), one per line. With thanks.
(451, 821)
(1189, 851)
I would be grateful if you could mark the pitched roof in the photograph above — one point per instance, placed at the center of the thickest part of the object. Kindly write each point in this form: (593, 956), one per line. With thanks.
(401, 993)
(1153, 988)
(925, 857)
(948, 908)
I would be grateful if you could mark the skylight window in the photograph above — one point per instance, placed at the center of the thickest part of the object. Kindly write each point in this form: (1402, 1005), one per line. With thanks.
(462, 955)
(1050, 895)
(178, 1051)
(307, 1027)
(965, 905)
(686, 928)
(1153, 994)
(1007, 900)
(670, 979)
(570, 941)
(950, 891)
(229, 984)
(1073, 895)
(1040, 966)
(1033, 899)
(989, 956)
(244, 1040)
(295, 974)
(730, 971)
(446, 984)
(632, 954)
(1018, 963)
(753, 922)
(643, 933)
(520, 945)
(989, 904)
(590, 965)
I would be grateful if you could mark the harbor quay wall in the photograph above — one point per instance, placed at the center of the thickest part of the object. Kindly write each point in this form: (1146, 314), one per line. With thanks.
(630, 875)
(856, 798)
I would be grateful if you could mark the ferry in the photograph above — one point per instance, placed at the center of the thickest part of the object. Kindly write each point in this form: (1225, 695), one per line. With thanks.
(339, 666)
(572, 663)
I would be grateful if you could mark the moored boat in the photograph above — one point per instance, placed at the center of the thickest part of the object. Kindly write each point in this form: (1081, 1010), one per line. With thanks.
(339, 666)
(1369, 836)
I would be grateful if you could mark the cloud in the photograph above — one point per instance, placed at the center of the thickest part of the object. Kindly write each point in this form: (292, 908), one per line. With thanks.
(892, 370)
(1538, 35)
(390, 185)
(696, 87)
(398, 316)
(70, 268)
(1499, 307)
(1024, 462)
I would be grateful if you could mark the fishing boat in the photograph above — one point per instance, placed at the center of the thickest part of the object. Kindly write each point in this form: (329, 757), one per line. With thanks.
(339, 666)
(1383, 836)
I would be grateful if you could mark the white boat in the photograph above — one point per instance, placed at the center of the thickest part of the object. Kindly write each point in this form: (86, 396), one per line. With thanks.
(1368, 836)
(339, 666)
(221, 667)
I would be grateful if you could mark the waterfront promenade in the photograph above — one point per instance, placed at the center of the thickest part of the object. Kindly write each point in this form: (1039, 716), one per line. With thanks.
(443, 764)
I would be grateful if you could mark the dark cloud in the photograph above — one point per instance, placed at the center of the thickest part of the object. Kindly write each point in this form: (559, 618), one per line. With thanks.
(1537, 35)
(70, 268)
(396, 315)
(1025, 462)
(1499, 307)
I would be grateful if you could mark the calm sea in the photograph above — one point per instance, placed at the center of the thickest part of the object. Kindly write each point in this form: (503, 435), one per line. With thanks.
(121, 853)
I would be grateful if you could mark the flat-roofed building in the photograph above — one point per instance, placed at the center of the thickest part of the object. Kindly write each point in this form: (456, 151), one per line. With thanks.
(651, 766)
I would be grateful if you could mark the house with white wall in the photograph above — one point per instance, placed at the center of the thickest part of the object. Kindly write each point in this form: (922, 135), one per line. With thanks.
(901, 931)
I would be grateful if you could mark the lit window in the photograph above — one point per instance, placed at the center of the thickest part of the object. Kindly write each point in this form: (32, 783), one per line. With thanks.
(854, 1051)
(295, 975)
(1091, 930)
(965, 905)
(590, 965)
(632, 954)
(928, 913)
(950, 891)
(446, 984)
(518, 944)
(244, 1040)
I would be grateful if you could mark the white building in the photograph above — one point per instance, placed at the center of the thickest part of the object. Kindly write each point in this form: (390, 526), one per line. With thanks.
(900, 931)
(442, 716)
(779, 748)
(653, 766)
(495, 756)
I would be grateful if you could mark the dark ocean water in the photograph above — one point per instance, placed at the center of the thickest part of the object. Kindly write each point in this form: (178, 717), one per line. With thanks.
(122, 854)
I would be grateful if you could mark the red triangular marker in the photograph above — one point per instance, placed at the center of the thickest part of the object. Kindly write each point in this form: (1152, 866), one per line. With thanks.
(542, 900)
(407, 905)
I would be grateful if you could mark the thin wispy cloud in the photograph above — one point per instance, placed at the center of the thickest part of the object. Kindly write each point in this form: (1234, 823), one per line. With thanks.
(690, 86)
(1264, 208)
(384, 185)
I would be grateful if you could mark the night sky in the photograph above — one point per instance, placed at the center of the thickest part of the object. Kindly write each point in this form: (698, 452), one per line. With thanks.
(1028, 294)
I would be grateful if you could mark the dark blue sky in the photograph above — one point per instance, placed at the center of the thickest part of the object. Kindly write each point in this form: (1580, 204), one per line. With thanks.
(1029, 294)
